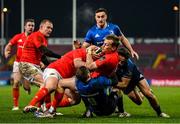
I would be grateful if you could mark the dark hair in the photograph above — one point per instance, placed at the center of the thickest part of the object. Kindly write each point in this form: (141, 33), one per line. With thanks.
(101, 10)
(124, 52)
(28, 20)
(82, 74)
(114, 38)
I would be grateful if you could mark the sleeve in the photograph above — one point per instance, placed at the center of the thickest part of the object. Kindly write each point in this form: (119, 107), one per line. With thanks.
(38, 41)
(14, 40)
(88, 37)
(117, 30)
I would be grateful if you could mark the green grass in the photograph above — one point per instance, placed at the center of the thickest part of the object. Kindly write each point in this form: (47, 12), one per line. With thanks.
(169, 98)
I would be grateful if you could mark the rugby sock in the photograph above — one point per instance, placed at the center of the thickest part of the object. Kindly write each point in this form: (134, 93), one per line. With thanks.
(48, 105)
(57, 98)
(64, 102)
(15, 94)
(158, 110)
(40, 102)
(47, 99)
(120, 104)
(39, 96)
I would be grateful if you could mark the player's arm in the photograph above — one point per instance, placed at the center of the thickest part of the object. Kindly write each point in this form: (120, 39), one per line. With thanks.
(87, 41)
(85, 44)
(123, 83)
(90, 64)
(48, 52)
(126, 43)
(78, 62)
(45, 60)
(114, 79)
(7, 50)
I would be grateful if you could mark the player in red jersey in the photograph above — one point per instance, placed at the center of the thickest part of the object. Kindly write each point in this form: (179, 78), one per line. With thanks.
(55, 73)
(34, 51)
(64, 67)
(18, 40)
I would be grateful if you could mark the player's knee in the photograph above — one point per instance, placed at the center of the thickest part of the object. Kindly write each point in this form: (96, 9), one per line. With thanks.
(148, 94)
(16, 83)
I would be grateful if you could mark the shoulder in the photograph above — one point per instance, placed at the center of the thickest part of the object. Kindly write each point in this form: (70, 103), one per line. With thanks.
(19, 35)
(93, 28)
(113, 25)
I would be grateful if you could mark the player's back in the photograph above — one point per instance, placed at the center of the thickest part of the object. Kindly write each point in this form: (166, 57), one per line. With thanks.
(65, 65)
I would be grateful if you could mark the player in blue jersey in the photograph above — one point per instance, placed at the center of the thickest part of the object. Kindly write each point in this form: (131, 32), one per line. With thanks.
(96, 92)
(129, 77)
(97, 34)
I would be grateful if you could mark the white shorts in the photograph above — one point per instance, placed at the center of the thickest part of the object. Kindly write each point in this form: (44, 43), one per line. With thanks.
(29, 70)
(16, 66)
(50, 72)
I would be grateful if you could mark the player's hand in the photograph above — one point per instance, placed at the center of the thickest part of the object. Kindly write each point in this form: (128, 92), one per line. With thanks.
(134, 54)
(77, 44)
(7, 54)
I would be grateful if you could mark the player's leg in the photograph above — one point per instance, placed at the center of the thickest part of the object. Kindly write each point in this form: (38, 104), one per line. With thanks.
(121, 112)
(16, 76)
(15, 90)
(147, 92)
(63, 83)
(32, 73)
(70, 98)
(136, 96)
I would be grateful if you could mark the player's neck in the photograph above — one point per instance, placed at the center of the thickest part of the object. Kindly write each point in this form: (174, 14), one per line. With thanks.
(102, 26)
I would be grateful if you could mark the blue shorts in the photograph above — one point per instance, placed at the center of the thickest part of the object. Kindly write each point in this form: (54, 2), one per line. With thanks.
(108, 107)
(137, 77)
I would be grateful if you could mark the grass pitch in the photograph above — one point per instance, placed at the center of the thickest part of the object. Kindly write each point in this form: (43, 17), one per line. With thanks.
(169, 98)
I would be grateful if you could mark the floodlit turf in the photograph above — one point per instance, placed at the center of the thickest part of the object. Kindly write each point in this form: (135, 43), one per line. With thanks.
(169, 98)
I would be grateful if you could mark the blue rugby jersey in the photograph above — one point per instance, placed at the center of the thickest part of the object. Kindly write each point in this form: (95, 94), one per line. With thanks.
(96, 35)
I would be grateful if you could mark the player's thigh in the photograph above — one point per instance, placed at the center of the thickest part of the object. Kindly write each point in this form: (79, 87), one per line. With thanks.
(30, 71)
(144, 87)
(17, 77)
(68, 83)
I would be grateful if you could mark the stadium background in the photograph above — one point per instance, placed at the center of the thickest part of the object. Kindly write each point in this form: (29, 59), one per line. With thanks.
(152, 27)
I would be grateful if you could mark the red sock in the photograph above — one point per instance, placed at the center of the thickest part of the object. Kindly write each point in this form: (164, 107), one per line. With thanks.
(39, 96)
(64, 102)
(47, 99)
(48, 105)
(57, 98)
(40, 103)
(15, 94)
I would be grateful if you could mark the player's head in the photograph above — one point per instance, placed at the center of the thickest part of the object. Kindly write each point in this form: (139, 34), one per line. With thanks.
(29, 25)
(101, 17)
(77, 44)
(83, 74)
(110, 44)
(124, 55)
(46, 27)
